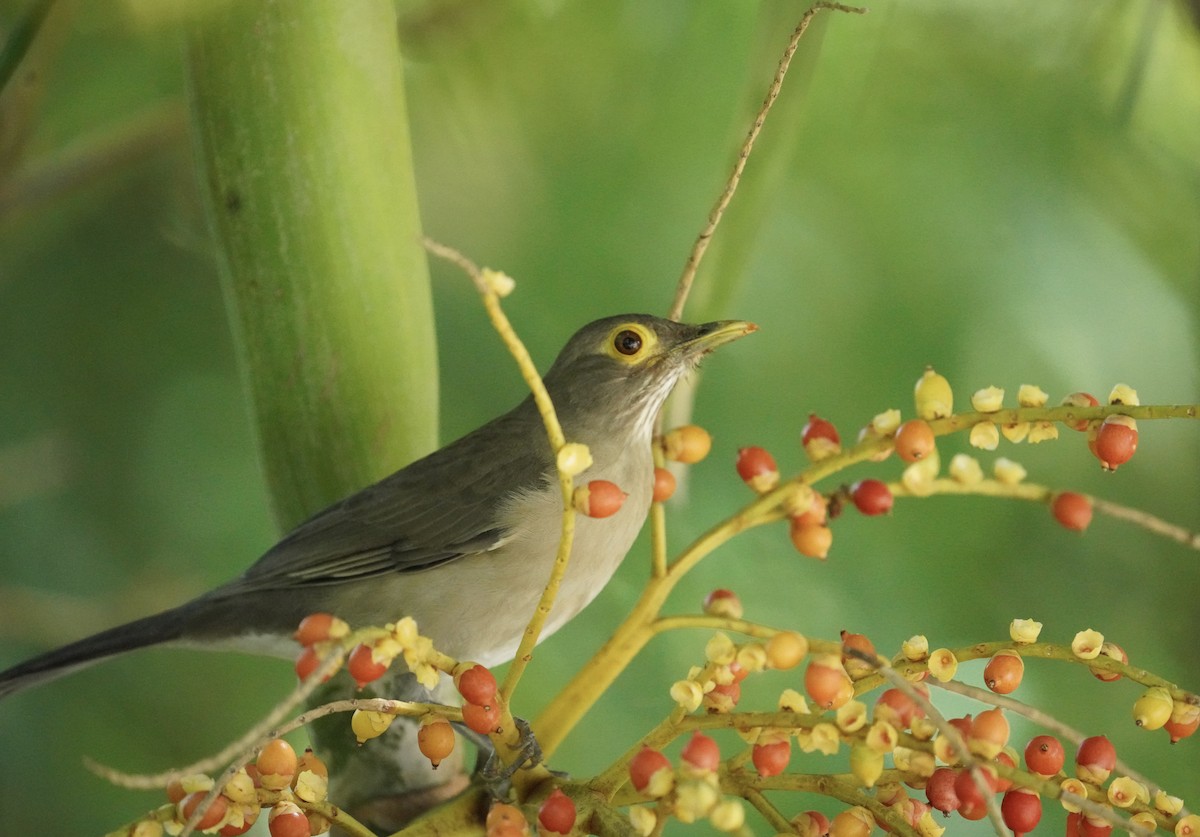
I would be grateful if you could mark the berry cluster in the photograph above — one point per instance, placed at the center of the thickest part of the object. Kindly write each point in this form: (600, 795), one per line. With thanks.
(292, 790)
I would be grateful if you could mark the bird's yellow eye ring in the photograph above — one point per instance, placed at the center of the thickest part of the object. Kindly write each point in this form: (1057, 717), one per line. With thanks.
(628, 342)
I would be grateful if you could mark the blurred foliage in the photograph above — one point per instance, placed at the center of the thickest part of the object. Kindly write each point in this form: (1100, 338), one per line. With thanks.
(1008, 191)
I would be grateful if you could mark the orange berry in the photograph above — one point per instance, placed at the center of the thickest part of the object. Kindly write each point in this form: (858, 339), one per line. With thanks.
(307, 662)
(503, 818)
(1003, 672)
(1044, 755)
(914, 440)
(276, 764)
(812, 540)
(827, 682)
(664, 485)
(1073, 511)
(688, 444)
(318, 627)
(436, 740)
(786, 649)
(989, 733)
(599, 498)
(312, 762)
(848, 824)
(1179, 730)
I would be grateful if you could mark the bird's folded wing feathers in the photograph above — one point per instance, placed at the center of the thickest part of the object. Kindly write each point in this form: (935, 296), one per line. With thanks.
(439, 508)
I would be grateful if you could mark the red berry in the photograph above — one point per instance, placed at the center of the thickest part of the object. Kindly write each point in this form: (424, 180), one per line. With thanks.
(213, 814)
(287, 820)
(645, 765)
(701, 752)
(871, 497)
(557, 814)
(723, 697)
(476, 684)
(967, 790)
(1116, 441)
(939, 790)
(436, 740)
(811, 824)
(914, 440)
(1022, 809)
(362, 666)
(1044, 755)
(820, 438)
(1079, 399)
(1073, 511)
(481, 718)
(757, 469)
(897, 708)
(249, 817)
(772, 759)
(307, 662)
(599, 499)
(1003, 672)
(664, 485)
(1095, 759)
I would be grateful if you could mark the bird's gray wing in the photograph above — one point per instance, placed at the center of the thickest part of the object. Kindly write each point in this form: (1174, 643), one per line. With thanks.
(428, 513)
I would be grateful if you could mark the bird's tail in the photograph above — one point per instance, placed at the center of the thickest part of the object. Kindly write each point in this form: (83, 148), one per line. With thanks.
(152, 630)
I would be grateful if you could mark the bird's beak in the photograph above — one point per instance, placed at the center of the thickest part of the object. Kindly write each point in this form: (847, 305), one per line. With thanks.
(711, 335)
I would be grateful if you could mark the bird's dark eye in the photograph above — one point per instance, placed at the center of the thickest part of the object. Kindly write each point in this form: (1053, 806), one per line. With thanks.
(628, 342)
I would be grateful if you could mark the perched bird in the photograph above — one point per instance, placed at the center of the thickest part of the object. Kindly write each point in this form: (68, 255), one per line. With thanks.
(462, 540)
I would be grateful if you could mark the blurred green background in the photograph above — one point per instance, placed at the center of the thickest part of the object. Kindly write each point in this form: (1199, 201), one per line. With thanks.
(1008, 191)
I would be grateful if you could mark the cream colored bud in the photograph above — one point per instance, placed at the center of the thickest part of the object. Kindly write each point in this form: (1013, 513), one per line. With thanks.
(728, 815)
(966, 469)
(1030, 395)
(826, 738)
(642, 819)
(752, 657)
(988, 400)
(927, 826)
(720, 649)
(1087, 644)
(943, 664)
(501, 284)
(694, 799)
(922, 729)
(149, 828)
(866, 764)
(1024, 631)
(984, 436)
(945, 750)
(1166, 804)
(1145, 820)
(311, 787)
(1124, 394)
(886, 423)
(1124, 791)
(919, 477)
(915, 648)
(1188, 826)
(882, 737)
(1073, 787)
(688, 694)
(1042, 431)
(574, 458)
(933, 397)
(240, 788)
(1008, 472)
(798, 500)
(792, 701)
(1016, 431)
(851, 716)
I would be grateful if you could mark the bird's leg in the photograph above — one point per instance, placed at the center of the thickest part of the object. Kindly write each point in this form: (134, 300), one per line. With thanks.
(495, 775)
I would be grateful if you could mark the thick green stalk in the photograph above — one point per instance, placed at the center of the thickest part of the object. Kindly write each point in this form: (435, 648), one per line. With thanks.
(301, 129)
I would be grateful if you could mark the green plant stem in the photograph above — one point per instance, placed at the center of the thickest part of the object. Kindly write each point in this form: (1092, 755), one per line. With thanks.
(303, 141)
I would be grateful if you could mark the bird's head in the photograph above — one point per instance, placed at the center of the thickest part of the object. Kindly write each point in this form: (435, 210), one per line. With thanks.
(614, 374)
